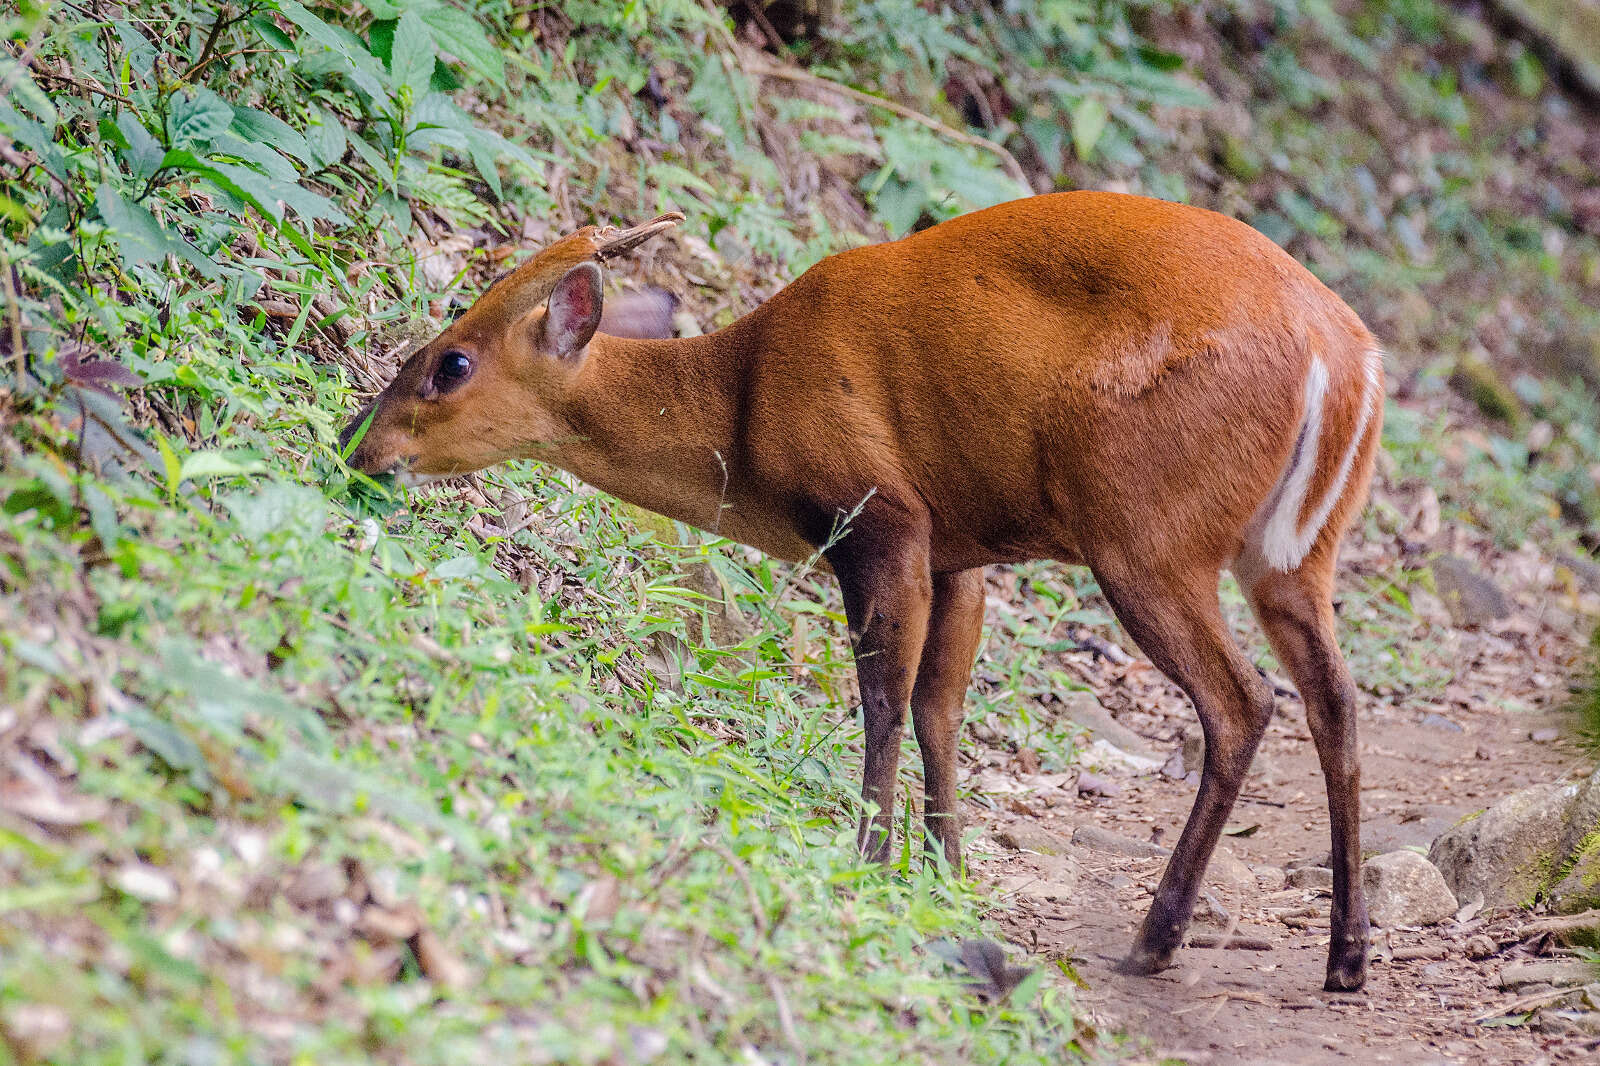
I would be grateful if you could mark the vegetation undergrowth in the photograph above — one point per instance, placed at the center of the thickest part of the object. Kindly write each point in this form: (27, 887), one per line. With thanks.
(300, 769)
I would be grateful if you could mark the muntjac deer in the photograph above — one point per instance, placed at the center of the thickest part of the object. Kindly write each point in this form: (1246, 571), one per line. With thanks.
(1152, 390)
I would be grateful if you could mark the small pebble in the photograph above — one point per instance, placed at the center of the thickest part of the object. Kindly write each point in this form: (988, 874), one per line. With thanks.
(1544, 736)
(1092, 784)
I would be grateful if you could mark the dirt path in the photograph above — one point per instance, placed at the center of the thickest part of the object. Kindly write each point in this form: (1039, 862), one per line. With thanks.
(1426, 763)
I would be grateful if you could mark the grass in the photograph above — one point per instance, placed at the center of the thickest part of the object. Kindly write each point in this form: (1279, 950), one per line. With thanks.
(269, 725)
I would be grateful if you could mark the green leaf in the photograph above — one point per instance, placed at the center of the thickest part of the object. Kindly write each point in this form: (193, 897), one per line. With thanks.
(462, 36)
(1088, 123)
(361, 68)
(261, 128)
(141, 241)
(143, 152)
(169, 459)
(325, 137)
(219, 464)
(412, 60)
(196, 119)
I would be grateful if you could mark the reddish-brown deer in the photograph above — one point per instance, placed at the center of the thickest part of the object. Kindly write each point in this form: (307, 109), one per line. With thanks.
(1151, 390)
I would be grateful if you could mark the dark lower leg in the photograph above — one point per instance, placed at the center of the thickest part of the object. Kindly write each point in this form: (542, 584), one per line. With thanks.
(955, 625)
(883, 573)
(1178, 624)
(1297, 616)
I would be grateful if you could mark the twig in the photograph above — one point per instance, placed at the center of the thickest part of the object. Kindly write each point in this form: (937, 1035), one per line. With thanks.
(767, 29)
(198, 67)
(1007, 160)
(14, 317)
(1532, 1000)
(1568, 924)
(86, 86)
(1238, 943)
(24, 59)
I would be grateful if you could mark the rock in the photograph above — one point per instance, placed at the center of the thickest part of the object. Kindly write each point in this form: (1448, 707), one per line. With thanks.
(1028, 837)
(1438, 721)
(1271, 878)
(1090, 784)
(1097, 839)
(1085, 710)
(1508, 851)
(1317, 877)
(1194, 748)
(1403, 888)
(1544, 736)
(1230, 871)
(1103, 755)
(1582, 823)
(1480, 947)
(1208, 910)
(1559, 973)
(1057, 882)
(1472, 599)
(1578, 887)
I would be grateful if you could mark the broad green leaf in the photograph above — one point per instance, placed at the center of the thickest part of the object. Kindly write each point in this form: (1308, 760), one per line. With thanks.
(361, 68)
(218, 464)
(462, 36)
(140, 239)
(196, 119)
(277, 508)
(1088, 123)
(262, 128)
(413, 56)
(325, 137)
(143, 152)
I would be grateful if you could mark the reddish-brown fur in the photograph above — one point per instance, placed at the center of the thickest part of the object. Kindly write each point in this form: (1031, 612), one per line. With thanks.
(1087, 377)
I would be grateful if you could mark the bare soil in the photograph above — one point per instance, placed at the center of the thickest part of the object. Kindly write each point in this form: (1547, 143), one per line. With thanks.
(1428, 759)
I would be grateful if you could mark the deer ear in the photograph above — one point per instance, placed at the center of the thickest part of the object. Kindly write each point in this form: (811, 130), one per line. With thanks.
(572, 313)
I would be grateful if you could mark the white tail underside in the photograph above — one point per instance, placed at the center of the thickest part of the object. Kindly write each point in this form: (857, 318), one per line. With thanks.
(1283, 540)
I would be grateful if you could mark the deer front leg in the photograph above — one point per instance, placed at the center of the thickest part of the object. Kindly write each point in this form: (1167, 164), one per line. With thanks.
(882, 566)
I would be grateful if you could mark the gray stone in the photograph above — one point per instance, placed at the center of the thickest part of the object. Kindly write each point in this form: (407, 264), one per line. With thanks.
(1028, 837)
(1085, 710)
(1507, 852)
(1580, 829)
(1472, 599)
(1230, 871)
(1316, 877)
(1056, 882)
(1097, 839)
(1403, 888)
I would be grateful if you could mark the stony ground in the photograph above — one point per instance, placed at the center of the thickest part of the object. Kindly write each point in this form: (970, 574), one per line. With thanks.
(1062, 849)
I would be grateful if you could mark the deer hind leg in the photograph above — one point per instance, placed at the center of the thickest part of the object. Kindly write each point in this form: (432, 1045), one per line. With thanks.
(1296, 612)
(955, 625)
(1177, 621)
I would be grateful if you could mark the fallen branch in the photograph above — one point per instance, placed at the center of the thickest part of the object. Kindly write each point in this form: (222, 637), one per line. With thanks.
(1238, 943)
(1007, 160)
(1533, 999)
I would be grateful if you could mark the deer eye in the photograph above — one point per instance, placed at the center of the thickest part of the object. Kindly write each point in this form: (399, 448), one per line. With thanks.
(454, 368)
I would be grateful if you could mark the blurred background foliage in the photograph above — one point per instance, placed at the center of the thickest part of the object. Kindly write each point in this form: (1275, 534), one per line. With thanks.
(519, 706)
